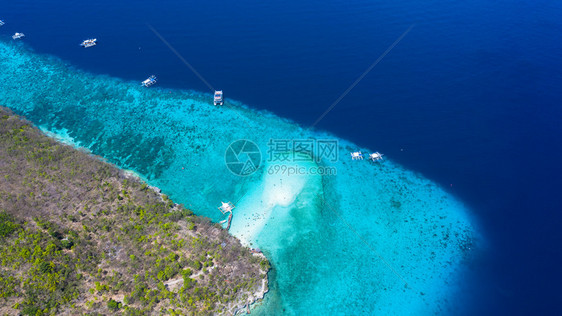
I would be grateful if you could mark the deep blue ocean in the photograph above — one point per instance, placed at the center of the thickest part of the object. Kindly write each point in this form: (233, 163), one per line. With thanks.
(470, 98)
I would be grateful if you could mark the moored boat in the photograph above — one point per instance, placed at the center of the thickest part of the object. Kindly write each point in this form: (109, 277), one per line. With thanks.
(218, 99)
(89, 42)
(18, 36)
(149, 82)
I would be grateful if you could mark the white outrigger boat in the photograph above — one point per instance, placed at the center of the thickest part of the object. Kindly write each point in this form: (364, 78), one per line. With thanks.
(2, 22)
(89, 43)
(357, 155)
(218, 100)
(18, 36)
(226, 207)
(376, 156)
(150, 81)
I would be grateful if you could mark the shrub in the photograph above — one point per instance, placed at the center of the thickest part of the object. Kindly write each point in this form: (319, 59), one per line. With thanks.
(7, 225)
(67, 244)
(264, 265)
(31, 310)
(46, 267)
(196, 264)
(113, 304)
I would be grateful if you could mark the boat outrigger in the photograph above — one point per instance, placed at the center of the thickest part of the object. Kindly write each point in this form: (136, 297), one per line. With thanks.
(376, 156)
(150, 81)
(357, 155)
(18, 36)
(89, 42)
(218, 100)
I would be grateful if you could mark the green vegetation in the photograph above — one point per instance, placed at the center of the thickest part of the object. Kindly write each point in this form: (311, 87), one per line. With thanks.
(78, 236)
(7, 224)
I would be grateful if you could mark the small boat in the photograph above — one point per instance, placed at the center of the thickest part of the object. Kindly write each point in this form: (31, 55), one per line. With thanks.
(2, 22)
(89, 43)
(226, 207)
(357, 155)
(18, 36)
(376, 156)
(218, 100)
(150, 81)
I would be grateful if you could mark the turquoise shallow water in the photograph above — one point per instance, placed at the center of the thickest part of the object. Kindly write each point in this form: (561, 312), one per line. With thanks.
(374, 238)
